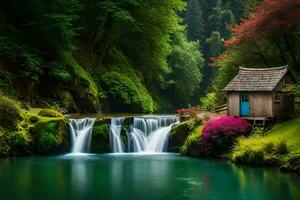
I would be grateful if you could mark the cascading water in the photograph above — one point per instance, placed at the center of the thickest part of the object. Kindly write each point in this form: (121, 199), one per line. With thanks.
(150, 134)
(81, 132)
(116, 143)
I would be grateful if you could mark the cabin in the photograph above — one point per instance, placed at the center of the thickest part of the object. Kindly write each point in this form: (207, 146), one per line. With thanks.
(258, 93)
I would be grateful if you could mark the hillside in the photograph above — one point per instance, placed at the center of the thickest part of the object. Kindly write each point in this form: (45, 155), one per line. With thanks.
(111, 56)
(279, 146)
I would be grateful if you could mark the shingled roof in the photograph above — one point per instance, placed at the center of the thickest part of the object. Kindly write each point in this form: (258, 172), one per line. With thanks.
(256, 79)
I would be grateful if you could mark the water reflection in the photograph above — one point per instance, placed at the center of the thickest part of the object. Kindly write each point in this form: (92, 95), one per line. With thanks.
(152, 177)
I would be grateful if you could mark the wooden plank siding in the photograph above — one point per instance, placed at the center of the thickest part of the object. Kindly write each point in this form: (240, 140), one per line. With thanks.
(233, 103)
(261, 104)
(265, 87)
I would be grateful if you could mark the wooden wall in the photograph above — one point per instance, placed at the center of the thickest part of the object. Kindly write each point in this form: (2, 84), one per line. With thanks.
(261, 104)
(233, 103)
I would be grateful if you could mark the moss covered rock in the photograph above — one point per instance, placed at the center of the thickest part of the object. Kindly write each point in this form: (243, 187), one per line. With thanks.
(24, 133)
(180, 133)
(50, 113)
(100, 137)
(51, 137)
(293, 165)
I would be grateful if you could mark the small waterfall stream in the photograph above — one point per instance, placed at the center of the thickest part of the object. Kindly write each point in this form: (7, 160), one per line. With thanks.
(147, 134)
(116, 143)
(81, 132)
(150, 134)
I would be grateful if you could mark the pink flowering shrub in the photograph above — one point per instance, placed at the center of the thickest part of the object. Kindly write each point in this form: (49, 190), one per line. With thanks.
(219, 134)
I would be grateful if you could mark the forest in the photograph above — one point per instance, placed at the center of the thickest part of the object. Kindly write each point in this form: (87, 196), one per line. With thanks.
(122, 55)
(150, 99)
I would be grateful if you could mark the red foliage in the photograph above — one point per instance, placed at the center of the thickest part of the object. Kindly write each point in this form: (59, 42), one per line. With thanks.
(270, 15)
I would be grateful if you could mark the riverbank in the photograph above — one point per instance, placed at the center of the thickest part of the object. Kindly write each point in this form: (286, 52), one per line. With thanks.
(279, 147)
(46, 132)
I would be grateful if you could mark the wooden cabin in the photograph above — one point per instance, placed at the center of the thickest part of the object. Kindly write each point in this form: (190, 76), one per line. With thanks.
(258, 93)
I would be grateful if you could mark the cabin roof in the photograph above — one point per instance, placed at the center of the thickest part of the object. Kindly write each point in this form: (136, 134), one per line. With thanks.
(257, 79)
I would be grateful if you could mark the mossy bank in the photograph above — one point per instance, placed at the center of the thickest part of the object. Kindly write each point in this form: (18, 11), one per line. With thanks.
(24, 133)
(278, 147)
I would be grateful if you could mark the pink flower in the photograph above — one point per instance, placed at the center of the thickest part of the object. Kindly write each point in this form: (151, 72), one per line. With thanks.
(228, 126)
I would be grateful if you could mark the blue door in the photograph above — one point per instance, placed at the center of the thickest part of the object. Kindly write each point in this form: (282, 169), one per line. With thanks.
(244, 104)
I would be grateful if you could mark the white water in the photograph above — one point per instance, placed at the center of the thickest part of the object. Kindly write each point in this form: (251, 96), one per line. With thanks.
(81, 132)
(151, 134)
(147, 134)
(116, 143)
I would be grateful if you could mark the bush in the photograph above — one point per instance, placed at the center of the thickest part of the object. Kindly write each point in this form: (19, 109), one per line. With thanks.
(21, 143)
(256, 149)
(281, 147)
(6, 82)
(50, 113)
(59, 71)
(10, 113)
(268, 147)
(4, 143)
(47, 139)
(126, 95)
(248, 156)
(208, 102)
(218, 135)
(66, 99)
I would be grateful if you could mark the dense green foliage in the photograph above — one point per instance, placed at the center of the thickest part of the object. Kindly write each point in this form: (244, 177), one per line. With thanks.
(62, 53)
(23, 133)
(208, 103)
(51, 137)
(207, 22)
(10, 113)
(186, 63)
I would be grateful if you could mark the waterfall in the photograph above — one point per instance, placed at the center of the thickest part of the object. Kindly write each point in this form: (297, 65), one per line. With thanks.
(150, 134)
(116, 143)
(146, 134)
(81, 132)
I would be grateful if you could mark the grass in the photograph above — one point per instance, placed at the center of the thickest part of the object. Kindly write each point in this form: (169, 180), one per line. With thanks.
(193, 138)
(280, 144)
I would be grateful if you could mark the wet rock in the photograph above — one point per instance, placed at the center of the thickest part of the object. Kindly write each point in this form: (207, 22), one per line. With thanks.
(292, 166)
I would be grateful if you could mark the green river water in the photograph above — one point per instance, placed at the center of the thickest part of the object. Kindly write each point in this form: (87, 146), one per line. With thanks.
(140, 177)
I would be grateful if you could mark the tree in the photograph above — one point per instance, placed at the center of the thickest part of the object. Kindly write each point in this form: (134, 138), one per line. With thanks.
(194, 20)
(266, 39)
(186, 63)
(227, 18)
(269, 16)
(214, 44)
(215, 19)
